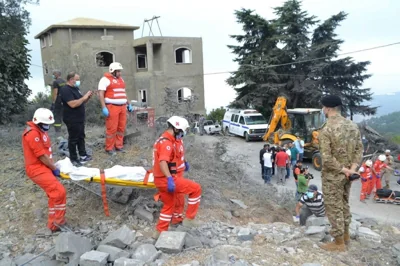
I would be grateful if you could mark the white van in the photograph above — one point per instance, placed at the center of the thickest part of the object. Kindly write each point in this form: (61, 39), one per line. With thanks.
(248, 123)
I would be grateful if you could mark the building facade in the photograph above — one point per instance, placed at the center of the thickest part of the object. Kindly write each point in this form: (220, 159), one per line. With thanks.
(158, 71)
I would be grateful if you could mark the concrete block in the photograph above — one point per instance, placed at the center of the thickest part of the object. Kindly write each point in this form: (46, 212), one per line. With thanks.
(171, 242)
(368, 234)
(128, 262)
(114, 252)
(141, 213)
(70, 247)
(396, 250)
(121, 238)
(317, 232)
(245, 234)
(7, 262)
(94, 258)
(145, 253)
(317, 221)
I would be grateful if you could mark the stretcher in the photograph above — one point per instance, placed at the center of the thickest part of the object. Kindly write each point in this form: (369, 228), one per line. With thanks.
(392, 199)
(117, 175)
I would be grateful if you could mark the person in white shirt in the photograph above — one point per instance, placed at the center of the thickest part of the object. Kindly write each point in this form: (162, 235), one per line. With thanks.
(299, 143)
(289, 153)
(268, 160)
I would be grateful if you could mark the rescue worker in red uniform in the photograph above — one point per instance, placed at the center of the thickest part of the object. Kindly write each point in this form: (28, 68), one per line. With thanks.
(40, 168)
(182, 166)
(166, 179)
(378, 166)
(114, 103)
(366, 180)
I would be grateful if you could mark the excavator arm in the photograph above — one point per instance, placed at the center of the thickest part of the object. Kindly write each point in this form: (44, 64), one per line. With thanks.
(279, 114)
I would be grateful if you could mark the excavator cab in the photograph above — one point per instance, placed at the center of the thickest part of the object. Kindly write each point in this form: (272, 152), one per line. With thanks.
(305, 121)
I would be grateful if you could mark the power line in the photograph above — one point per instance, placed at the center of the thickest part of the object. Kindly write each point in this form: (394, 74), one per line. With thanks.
(293, 63)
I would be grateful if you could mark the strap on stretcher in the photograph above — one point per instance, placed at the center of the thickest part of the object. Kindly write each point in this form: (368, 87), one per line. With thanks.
(104, 192)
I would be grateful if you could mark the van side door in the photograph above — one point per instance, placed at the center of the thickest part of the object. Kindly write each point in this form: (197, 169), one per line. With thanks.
(242, 126)
(234, 125)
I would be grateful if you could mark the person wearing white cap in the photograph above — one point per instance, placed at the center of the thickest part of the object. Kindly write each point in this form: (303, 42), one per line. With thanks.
(386, 174)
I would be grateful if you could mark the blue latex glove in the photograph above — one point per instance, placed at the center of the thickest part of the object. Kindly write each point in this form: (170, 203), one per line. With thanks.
(105, 111)
(363, 179)
(129, 107)
(171, 184)
(378, 176)
(56, 172)
(298, 216)
(396, 172)
(187, 166)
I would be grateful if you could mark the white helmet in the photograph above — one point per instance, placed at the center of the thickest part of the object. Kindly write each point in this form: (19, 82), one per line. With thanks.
(382, 157)
(368, 163)
(361, 170)
(115, 66)
(387, 151)
(178, 122)
(44, 116)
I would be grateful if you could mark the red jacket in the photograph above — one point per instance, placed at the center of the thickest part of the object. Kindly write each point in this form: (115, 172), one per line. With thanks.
(35, 143)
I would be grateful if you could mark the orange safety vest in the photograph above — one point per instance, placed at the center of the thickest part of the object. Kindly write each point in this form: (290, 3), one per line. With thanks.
(367, 174)
(35, 143)
(378, 166)
(116, 89)
(164, 150)
(180, 156)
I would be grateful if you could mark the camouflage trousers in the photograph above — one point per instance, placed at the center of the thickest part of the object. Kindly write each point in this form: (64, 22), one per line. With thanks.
(336, 200)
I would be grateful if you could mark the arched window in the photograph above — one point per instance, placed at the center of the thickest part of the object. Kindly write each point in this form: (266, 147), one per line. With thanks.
(185, 95)
(183, 55)
(104, 59)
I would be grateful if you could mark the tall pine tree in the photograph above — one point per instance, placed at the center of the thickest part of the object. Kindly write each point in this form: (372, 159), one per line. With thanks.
(309, 67)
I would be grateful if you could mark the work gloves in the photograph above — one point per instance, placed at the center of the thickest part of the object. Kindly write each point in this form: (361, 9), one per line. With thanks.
(378, 176)
(396, 172)
(129, 108)
(105, 111)
(171, 184)
(56, 172)
(363, 179)
(187, 166)
(52, 107)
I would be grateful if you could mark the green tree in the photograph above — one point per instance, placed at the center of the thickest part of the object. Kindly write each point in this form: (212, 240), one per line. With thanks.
(216, 114)
(302, 76)
(14, 57)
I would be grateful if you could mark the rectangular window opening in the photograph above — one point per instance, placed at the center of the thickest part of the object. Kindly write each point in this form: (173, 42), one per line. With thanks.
(143, 96)
(141, 61)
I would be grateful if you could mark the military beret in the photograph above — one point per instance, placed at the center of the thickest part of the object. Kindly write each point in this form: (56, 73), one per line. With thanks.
(331, 101)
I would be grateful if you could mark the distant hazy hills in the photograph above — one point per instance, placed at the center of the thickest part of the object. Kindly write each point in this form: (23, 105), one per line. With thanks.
(388, 103)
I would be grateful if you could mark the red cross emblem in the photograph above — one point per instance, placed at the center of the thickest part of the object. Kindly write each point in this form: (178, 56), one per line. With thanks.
(50, 117)
(177, 123)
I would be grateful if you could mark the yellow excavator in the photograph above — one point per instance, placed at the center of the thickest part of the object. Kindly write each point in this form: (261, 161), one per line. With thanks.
(286, 125)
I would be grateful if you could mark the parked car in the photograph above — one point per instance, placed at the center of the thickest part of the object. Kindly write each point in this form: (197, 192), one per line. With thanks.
(210, 127)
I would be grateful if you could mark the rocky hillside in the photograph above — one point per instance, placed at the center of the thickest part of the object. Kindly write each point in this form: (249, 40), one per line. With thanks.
(240, 222)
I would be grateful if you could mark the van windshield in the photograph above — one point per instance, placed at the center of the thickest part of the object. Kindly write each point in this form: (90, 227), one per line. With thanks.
(255, 120)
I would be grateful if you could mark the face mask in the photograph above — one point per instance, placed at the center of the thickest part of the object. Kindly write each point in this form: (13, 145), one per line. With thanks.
(44, 127)
(180, 135)
(54, 77)
(310, 195)
(77, 83)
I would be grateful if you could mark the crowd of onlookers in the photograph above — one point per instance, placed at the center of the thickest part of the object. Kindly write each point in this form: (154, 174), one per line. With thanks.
(285, 161)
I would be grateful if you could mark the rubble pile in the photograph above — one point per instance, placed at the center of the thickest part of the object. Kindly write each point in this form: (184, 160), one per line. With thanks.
(377, 142)
(217, 243)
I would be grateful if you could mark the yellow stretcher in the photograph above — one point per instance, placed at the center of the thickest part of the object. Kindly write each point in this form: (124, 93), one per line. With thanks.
(116, 182)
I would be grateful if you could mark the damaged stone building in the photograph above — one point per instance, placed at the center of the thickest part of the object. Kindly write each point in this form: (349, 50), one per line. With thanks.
(151, 64)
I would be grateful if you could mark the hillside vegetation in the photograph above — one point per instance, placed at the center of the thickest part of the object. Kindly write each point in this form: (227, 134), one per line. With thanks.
(388, 125)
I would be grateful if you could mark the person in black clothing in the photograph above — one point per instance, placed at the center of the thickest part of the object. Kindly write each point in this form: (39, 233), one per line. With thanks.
(274, 151)
(56, 106)
(74, 118)
(262, 151)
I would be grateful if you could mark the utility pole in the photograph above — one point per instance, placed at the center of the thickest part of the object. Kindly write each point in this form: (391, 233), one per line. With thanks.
(150, 24)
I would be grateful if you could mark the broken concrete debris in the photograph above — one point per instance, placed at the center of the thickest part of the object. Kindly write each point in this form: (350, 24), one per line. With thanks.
(240, 203)
(114, 252)
(128, 262)
(69, 247)
(171, 242)
(120, 238)
(143, 214)
(94, 258)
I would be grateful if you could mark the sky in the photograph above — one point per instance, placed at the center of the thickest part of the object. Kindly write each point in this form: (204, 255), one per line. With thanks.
(369, 23)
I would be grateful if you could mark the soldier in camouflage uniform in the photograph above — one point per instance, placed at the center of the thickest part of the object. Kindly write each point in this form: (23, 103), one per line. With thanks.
(341, 149)
(385, 172)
